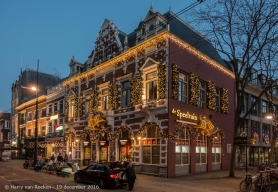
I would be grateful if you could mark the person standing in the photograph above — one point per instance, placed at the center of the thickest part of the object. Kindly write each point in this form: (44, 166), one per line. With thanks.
(60, 158)
(52, 158)
(130, 175)
(66, 158)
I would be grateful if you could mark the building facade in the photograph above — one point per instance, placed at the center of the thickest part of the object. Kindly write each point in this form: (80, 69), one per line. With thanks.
(24, 99)
(160, 97)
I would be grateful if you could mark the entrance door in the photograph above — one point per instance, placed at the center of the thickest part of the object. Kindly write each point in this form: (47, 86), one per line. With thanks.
(103, 154)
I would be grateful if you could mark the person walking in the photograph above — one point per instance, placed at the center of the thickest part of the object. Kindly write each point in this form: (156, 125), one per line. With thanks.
(130, 175)
(52, 158)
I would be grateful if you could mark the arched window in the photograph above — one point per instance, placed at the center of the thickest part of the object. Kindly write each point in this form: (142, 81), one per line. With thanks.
(216, 149)
(182, 147)
(201, 150)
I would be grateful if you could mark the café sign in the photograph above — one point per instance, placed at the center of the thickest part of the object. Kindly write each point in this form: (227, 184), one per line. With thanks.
(186, 115)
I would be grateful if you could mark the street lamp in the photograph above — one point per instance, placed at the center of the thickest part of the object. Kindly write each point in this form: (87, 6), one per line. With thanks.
(36, 126)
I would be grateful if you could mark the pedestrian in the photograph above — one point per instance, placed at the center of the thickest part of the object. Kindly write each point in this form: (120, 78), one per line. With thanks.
(130, 175)
(66, 158)
(60, 158)
(52, 158)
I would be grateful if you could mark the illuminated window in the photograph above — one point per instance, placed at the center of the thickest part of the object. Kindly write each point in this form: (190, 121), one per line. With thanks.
(182, 147)
(151, 147)
(71, 111)
(104, 99)
(201, 150)
(216, 149)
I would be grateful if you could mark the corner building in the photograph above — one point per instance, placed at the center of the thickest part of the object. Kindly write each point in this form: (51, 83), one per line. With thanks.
(160, 96)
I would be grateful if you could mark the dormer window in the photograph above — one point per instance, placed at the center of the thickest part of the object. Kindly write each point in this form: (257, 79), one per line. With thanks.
(151, 27)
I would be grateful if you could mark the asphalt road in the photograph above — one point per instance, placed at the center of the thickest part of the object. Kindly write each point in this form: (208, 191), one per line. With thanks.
(13, 177)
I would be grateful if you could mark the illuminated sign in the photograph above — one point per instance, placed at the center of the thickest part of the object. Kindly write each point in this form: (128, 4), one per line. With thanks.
(54, 117)
(186, 115)
(206, 127)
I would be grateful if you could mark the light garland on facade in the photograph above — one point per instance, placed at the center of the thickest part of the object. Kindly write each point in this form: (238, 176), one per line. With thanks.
(175, 81)
(84, 134)
(211, 104)
(113, 96)
(69, 136)
(161, 81)
(194, 88)
(76, 106)
(94, 101)
(119, 130)
(136, 86)
(67, 108)
(224, 101)
(81, 106)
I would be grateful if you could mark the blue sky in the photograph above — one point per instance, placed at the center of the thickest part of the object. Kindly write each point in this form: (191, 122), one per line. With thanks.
(54, 30)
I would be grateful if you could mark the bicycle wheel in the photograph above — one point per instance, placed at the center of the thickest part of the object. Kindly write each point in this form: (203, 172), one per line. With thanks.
(245, 186)
(266, 187)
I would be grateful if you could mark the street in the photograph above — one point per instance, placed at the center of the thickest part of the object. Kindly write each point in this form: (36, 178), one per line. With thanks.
(13, 177)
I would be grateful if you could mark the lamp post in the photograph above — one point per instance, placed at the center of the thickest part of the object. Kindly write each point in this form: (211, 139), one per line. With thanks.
(36, 125)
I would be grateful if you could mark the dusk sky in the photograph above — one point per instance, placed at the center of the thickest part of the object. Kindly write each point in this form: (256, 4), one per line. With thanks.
(55, 30)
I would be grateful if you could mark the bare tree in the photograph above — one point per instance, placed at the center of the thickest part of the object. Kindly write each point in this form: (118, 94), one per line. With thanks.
(246, 34)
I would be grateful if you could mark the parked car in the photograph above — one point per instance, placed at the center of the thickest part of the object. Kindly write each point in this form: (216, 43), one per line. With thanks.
(104, 175)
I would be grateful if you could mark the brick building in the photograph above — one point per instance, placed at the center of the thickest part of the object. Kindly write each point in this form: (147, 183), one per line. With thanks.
(160, 96)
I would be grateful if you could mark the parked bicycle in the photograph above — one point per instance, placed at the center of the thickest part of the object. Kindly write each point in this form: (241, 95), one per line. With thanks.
(246, 184)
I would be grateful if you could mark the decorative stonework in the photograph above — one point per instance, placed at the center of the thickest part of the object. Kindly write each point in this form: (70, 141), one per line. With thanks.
(211, 104)
(67, 108)
(113, 96)
(224, 101)
(175, 81)
(136, 86)
(266, 139)
(194, 89)
(161, 81)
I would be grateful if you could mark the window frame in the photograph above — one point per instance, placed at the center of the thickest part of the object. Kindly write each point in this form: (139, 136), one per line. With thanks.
(183, 97)
(153, 79)
(202, 95)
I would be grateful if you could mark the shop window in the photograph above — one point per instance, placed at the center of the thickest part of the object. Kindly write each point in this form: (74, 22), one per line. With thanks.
(202, 95)
(151, 147)
(182, 147)
(151, 86)
(216, 149)
(201, 150)
(104, 99)
(126, 94)
(87, 104)
(183, 84)
(217, 100)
